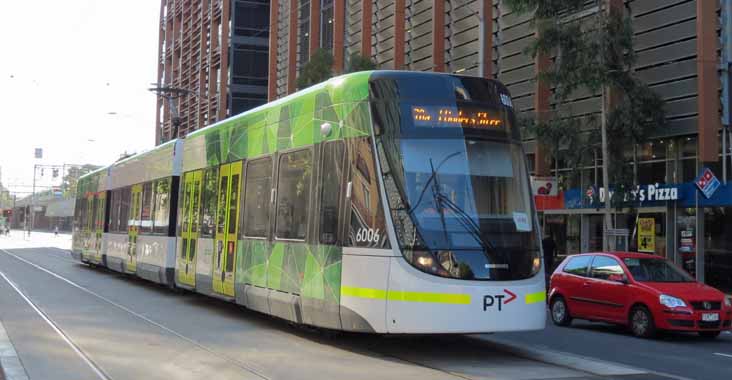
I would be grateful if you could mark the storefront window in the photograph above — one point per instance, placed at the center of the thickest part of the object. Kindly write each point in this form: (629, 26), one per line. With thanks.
(686, 239)
(718, 247)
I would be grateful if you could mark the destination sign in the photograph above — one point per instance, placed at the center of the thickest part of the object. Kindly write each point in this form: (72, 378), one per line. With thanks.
(454, 117)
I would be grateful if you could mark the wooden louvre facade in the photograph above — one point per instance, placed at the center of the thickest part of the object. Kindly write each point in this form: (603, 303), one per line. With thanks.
(676, 42)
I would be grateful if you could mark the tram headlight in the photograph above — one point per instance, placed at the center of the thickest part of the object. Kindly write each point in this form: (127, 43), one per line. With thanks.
(425, 261)
(535, 265)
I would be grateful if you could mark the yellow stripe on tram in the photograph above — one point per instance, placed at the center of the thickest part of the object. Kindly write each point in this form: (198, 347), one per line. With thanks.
(535, 297)
(393, 295)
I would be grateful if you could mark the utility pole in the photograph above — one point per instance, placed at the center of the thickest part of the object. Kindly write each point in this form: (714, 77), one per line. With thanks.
(33, 202)
(171, 94)
(606, 246)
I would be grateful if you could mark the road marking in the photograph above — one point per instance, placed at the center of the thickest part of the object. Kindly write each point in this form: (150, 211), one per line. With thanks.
(721, 354)
(98, 371)
(144, 318)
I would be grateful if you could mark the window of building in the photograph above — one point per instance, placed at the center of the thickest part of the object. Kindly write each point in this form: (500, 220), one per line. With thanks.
(718, 248)
(293, 195)
(331, 191)
(578, 265)
(251, 18)
(303, 33)
(208, 202)
(257, 200)
(161, 216)
(326, 24)
(603, 267)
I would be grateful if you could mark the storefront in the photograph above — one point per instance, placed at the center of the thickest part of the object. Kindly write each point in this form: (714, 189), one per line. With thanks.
(660, 219)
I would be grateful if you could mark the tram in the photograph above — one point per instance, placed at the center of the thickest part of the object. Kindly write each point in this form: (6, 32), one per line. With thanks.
(385, 202)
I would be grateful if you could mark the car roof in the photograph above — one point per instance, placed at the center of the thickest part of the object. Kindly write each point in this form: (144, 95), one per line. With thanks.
(623, 255)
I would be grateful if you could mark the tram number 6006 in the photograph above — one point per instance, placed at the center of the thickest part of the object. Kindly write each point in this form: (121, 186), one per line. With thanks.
(367, 235)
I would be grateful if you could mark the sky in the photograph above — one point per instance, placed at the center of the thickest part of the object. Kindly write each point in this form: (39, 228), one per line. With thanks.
(74, 76)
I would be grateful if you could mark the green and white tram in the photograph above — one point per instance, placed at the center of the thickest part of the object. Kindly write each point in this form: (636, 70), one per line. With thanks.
(385, 202)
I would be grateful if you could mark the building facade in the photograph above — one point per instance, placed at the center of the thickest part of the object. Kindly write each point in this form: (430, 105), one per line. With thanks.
(680, 45)
(213, 58)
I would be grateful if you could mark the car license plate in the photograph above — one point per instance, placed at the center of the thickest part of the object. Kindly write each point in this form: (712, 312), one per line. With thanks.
(710, 317)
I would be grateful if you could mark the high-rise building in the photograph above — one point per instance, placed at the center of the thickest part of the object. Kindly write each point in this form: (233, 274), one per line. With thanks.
(212, 61)
(680, 47)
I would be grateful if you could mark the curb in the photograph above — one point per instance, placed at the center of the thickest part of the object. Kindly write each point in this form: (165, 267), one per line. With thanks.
(580, 363)
(11, 368)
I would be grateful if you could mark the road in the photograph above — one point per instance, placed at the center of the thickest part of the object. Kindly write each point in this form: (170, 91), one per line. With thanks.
(68, 321)
(686, 355)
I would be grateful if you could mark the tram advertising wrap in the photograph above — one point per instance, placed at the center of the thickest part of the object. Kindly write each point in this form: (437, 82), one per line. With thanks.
(384, 202)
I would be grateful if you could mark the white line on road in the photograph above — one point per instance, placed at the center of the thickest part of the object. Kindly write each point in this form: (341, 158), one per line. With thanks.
(721, 354)
(98, 371)
(144, 318)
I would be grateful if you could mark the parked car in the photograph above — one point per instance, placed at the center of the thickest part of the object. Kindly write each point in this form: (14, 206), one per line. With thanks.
(643, 292)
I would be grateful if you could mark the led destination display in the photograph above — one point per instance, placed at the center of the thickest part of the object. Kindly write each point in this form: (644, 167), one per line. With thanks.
(455, 117)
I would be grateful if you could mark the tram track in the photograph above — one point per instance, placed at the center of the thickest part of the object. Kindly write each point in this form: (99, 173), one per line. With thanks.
(369, 349)
(235, 362)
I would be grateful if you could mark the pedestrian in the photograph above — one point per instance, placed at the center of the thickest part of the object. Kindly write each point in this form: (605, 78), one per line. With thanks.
(549, 247)
(55, 231)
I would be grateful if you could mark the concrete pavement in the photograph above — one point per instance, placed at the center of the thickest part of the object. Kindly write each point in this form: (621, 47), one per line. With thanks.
(70, 321)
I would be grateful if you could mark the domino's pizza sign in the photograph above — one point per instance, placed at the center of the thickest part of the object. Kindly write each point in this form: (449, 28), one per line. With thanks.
(707, 183)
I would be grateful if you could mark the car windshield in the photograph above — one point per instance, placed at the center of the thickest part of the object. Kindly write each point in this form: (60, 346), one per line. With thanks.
(655, 270)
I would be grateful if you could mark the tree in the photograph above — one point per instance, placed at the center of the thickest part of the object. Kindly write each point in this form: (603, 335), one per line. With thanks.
(318, 69)
(358, 62)
(71, 178)
(594, 55)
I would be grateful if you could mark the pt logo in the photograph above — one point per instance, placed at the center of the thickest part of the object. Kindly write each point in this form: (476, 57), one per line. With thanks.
(497, 300)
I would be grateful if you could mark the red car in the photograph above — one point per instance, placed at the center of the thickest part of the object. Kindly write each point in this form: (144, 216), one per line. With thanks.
(644, 292)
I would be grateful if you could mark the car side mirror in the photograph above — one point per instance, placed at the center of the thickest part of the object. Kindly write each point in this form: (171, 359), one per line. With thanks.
(621, 278)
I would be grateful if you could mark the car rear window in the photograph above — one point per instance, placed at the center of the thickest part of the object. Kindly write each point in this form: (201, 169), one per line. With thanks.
(578, 265)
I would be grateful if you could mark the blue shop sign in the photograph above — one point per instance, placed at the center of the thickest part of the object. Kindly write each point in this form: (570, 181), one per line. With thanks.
(655, 195)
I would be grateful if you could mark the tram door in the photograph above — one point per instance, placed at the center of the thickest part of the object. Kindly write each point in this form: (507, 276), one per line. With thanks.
(89, 237)
(133, 227)
(227, 228)
(189, 227)
(101, 201)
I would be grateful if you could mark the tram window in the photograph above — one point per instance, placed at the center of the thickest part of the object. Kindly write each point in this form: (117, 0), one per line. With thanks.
(293, 195)
(124, 209)
(161, 216)
(256, 203)
(220, 213)
(368, 224)
(147, 208)
(208, 202)
(195, 212)
(330, 191)
(233, 202)
(113, 211)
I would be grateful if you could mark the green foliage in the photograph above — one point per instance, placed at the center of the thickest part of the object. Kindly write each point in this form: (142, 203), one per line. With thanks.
(71, 179)
(318, 69)
(358, 62)
(594, 53)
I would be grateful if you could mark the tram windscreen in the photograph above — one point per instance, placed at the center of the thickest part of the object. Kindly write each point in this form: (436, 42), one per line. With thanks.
(456, 182)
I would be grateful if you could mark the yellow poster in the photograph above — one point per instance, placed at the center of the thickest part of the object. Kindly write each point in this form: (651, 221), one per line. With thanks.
(647, 235)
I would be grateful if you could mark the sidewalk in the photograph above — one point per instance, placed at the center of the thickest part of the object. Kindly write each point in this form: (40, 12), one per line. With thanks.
(20, 239)
(11, 367)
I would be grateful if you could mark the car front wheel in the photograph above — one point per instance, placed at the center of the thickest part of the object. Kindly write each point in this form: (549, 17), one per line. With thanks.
(641, 322)
(560, 312)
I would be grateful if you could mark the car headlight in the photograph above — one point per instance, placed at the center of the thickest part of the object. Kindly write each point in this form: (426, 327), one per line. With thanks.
(728, 301)
(670, 301)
